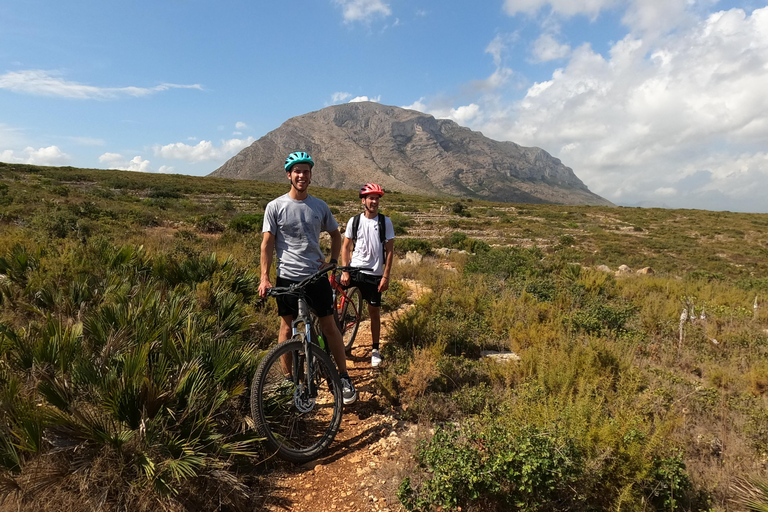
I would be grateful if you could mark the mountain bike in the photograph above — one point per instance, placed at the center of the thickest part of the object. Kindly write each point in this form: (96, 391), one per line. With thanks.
(296, 394)
(348, 306)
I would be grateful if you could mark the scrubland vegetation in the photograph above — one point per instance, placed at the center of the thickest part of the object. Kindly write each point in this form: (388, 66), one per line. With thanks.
(130, 328)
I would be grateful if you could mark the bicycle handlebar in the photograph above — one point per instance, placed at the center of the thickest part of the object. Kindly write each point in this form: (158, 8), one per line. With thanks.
(295, 287)
(349, 268)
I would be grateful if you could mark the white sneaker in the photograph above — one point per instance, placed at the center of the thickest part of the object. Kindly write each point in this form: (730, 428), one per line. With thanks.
(348, 390)
(375, 358)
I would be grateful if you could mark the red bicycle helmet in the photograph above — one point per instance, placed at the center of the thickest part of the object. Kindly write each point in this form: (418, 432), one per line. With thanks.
(371, 188)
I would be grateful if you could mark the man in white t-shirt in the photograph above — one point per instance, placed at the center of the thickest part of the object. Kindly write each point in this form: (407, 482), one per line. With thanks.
(373, 237)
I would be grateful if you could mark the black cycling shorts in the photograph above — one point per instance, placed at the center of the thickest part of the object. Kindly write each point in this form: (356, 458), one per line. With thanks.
(369, 288)
(319, 298)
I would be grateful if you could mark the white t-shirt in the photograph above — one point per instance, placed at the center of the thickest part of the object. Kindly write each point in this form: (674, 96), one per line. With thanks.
(297, 226)
(369, 252)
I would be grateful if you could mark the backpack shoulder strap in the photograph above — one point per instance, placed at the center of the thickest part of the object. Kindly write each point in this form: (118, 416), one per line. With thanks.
(355, 225)
(382, 228)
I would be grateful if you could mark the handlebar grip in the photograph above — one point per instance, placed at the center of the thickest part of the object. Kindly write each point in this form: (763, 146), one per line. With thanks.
(354, 269)
(278, 290)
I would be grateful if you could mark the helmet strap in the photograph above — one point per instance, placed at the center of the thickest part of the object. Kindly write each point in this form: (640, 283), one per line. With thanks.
(365, 205)
(293, 185)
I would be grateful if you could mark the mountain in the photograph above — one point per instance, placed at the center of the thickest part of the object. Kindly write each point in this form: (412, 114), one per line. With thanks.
(409, 151)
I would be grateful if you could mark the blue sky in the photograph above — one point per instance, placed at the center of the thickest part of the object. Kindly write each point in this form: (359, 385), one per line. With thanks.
(650, 102)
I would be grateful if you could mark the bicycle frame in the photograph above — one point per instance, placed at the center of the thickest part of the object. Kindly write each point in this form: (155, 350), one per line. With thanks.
(304, 316)
(337, 288)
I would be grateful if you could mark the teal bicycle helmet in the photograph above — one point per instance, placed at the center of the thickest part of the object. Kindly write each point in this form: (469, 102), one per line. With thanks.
(298, 157)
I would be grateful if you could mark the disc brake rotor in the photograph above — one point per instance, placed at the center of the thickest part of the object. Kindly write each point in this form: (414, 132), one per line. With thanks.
(302, 401)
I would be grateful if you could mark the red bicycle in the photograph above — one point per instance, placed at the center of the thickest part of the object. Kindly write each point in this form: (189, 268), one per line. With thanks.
(348, 305)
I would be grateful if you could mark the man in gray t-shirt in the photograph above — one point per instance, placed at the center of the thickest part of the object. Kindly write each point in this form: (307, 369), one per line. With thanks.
(296, 225)
(292, 226)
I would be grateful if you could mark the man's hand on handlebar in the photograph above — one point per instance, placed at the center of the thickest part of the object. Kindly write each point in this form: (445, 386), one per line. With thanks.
(264, 285)
(325, 264)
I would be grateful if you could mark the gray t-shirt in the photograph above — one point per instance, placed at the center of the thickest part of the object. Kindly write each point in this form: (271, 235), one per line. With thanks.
(297, 226)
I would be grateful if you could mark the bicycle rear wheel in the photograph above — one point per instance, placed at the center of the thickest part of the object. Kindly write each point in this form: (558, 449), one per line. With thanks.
(349, 311)
(297, 427)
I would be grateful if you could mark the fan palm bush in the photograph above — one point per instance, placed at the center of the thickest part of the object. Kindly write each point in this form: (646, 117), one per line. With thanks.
(117, 360)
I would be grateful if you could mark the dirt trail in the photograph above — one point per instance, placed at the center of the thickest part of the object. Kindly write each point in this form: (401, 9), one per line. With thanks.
(362, 468)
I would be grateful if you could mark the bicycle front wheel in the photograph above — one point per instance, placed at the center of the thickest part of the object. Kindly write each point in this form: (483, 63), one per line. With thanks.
(349, 311)
(297, 426)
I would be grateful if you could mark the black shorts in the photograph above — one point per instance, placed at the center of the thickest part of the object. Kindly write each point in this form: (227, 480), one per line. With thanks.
(319, 298)
(369, 288)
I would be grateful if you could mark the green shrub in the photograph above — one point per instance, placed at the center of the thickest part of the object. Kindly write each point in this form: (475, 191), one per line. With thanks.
(395, 296)
(400, 222)
(598, 317)
(209, 223)
(164, 193)
(496, 469)
(247, 222)
(60, 190)
(460, 210)
(459, 240)
(506, 262)
(404, 245)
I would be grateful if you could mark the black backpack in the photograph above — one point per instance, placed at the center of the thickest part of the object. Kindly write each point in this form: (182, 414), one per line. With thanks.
(382, 229)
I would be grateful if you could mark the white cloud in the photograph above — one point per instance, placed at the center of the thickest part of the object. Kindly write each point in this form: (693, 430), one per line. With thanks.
(111, 158)
(465, 114)
(164, 169)
(376, 99)
(117, 161)
(498, 78)
(418, 105)
(202, 151)
(240, 126)
(564, 7)
(46, 83)
(50, 155)
(684, 112)
(496, 47)
(362, 10)
(138, 164)
(652, 18)
(665, 191)
(339, 97)
(462, 115)
(645, 123)
(546, 48)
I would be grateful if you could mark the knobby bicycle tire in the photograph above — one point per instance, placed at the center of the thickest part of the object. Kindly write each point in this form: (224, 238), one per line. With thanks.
(291, 434)
(349, 311)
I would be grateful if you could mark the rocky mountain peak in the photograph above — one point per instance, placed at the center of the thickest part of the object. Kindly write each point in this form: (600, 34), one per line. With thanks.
(411, 152)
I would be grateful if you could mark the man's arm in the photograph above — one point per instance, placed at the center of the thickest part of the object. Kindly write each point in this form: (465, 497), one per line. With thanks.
(267, 249)
(346, 259)
(389, 250)
(335, 247)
